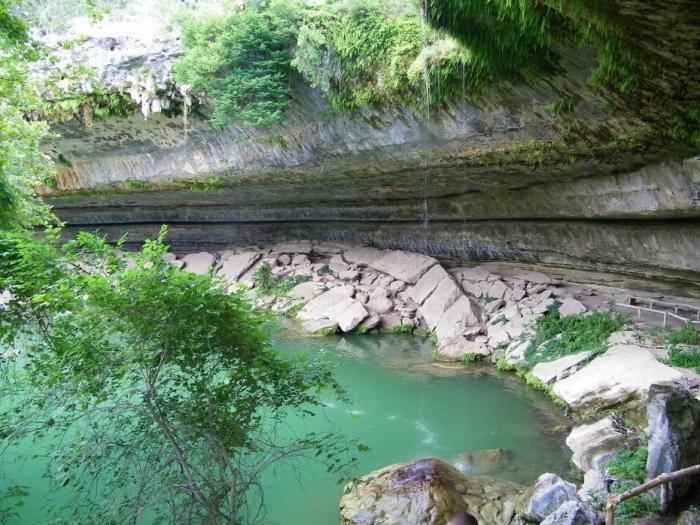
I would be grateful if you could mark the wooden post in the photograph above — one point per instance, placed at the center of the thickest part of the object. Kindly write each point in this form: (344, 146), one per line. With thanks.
(610, 510)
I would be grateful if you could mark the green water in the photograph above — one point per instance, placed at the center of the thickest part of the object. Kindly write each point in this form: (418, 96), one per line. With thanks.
(403, 407)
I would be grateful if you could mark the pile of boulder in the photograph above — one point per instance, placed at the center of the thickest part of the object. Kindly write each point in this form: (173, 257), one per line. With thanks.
(347, 288)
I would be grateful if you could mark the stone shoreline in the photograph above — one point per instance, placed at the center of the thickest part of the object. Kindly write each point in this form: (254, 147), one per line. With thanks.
(474, 313)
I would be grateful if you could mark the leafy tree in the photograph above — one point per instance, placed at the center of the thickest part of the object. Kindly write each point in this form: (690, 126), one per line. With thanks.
(162, 387)
(23, 166)
(242, 62)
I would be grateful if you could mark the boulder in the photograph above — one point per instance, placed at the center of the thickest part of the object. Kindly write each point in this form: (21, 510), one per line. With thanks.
(351, 316)
(427, 284)
(454, 348)
(391, 320)
(548, 494)
(235, 266)
(494, 289)
(169, 257)
(397, 286)
(319, 307)
(319, 325)
(552, 371)
(426, 492)
(592, 445)
(570, 306)
(483, 461)
(464, 313)
(404, 266)
(573, 513)
(674, 434)
(445, 295)
(372, 321)
(623, 372)
(306, 291)
(379, 302)
(284, 260)
(300, 259)
(200, 263)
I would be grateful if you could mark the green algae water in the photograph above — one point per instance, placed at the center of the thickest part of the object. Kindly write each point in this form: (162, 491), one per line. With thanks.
(403, 407)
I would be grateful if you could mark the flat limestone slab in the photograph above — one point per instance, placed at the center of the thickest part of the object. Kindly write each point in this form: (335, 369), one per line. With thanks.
(623, 372)
(445, 295)
(322, 306)
(561, 368)
(200, 263)
(457, 318)
(236, 265)
(427, 284)
(404, 266)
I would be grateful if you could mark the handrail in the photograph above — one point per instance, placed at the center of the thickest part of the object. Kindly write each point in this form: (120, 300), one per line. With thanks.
(663, 479)
(664, 313)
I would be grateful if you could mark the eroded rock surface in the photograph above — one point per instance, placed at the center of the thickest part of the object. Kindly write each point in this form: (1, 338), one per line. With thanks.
(426, 492)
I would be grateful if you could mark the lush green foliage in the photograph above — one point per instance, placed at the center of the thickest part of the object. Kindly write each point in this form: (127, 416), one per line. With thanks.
(403, 329)
(557, 336)
(267, 283)
(628, 467)
(507, 37)
(685, 357)
(23, 166)
(242, 62)
(163, 388)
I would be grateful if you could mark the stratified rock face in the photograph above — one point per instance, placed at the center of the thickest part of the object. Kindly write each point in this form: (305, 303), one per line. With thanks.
(674, 434)
(497, 179)
(426, 492)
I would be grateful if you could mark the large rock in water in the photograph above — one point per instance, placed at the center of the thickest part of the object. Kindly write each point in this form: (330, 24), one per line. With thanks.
(674, 434)
(426, 492)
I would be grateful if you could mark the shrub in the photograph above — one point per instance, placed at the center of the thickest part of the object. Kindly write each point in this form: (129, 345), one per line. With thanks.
(557, 336)
(629, 469)
(242, 63)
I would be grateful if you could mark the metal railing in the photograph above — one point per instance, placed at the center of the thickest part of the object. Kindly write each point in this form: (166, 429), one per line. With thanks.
(663, 480)
(666, 314)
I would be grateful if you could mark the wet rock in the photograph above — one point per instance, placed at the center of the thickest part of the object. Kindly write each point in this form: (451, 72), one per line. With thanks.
(426, 492)
(483, 461)
(552, 371)
(445, 295)
(623, 372)
(235, 266)
(548, 494)
(200, 263)
(573, 513)
(674, 434)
